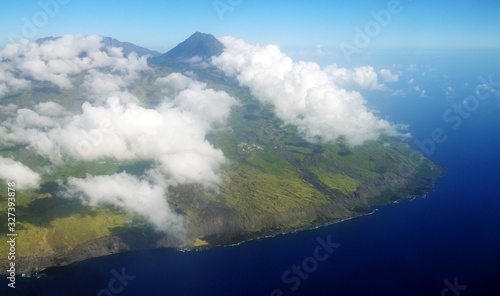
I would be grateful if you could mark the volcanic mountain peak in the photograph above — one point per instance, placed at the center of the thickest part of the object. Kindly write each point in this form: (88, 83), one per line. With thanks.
(199, 44)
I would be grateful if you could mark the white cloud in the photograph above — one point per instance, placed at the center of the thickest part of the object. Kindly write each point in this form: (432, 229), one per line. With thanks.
(177, 82)
(363, 77)
(415, 88)
(197, 62)
(100, 86)
(398, 93)
(193, 96)
(422, 92)
(141, 196)
(57, 60)
(388, 76)
(50, 109)
(8, 109)
(30, 118)
(366, 77)
(23, 176)
(112, 123)
(8, 81)
(304, 94)
(172, 136)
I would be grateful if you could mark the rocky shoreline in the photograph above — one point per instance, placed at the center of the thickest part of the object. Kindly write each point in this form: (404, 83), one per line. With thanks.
(221, 226)
(114, 244)
(109, 245)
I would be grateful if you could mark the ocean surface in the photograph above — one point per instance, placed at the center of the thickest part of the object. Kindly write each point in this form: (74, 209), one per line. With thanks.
(446, 243)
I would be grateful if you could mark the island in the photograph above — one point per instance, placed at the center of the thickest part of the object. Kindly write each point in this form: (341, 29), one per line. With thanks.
(270, 178)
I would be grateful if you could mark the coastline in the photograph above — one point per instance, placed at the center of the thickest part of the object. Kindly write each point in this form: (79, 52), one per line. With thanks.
(28, 266)
(277, 234)
(114, 244)
(39, 272)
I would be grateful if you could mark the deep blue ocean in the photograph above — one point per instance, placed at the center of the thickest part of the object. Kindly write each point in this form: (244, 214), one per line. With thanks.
(446, 243)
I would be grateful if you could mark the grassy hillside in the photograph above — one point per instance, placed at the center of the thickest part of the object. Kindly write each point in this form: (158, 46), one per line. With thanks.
(273, 179)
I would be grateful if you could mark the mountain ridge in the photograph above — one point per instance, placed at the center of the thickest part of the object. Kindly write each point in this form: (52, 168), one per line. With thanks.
(127, 47)
(199, 44)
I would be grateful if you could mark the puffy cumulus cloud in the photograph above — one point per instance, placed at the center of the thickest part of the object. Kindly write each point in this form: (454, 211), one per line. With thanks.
(140, 196)
(23, 176)
(55, 60)
(100, 86)
(8, 81)
(176, 82)
(112, 124)
(50, 109)
(32, 119)
(194, 96)
(197, 62)
(364, 77)
(388, 76)
(172, 136)
(306, 95)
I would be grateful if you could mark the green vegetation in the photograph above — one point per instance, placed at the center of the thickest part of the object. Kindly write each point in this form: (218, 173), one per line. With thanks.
(342, 183)
(272, 173)
(250, 190)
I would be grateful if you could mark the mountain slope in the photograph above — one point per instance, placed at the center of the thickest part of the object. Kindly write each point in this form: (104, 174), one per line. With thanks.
(127, 47)
(197, 45)
(273, 181)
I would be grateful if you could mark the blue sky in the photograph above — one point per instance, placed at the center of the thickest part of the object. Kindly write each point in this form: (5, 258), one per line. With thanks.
(160, 25)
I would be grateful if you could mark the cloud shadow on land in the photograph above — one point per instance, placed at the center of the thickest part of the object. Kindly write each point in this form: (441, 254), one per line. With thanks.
(138, 237)
(42, 211)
